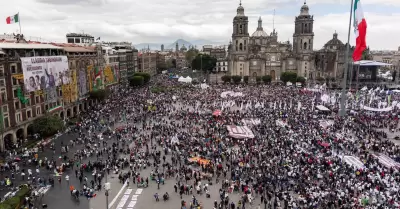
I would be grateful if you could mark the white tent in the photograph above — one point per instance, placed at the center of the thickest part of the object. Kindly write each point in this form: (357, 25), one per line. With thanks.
(185, 80)
(240, 132)
(322, 108)
(354, 162)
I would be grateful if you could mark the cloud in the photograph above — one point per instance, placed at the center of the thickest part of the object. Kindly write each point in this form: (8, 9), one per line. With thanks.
(165, 21)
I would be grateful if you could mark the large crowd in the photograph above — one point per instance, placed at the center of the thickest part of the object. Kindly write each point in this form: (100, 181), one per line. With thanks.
(291, 162)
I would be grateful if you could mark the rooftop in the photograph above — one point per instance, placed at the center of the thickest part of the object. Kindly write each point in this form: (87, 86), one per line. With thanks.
(79, 35)
(29, 45)
(75, 48)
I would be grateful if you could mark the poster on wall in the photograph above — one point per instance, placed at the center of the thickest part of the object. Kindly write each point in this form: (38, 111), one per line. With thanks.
(44, 72)
(83, 86)
(51, 94)
(109, 75)
(69, 91)
(115, 67)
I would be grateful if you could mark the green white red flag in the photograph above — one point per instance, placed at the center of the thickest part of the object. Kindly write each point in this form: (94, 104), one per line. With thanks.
(360, 29)
(12, 19)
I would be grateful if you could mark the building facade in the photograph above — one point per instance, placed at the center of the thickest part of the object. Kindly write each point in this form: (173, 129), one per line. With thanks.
(262, 54)
(21, 107)
(147, 62)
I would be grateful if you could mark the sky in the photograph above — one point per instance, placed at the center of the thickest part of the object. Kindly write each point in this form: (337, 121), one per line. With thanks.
(160, 21)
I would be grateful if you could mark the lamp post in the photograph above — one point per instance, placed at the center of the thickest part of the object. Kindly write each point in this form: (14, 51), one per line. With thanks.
(107, 187)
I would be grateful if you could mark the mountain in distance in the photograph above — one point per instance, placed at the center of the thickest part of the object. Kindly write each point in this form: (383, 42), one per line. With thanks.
(157, 46)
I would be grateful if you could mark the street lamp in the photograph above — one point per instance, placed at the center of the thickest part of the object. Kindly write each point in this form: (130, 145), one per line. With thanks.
(107, 187)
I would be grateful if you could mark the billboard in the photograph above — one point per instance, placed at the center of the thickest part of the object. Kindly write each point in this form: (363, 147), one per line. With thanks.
(44, 72)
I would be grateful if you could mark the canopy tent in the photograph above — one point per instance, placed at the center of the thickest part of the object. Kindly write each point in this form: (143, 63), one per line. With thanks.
(387, 161)
(371, 63)
(322, 108)
(231, 94)
(217, 112)
(185, 80)
(354, 162)
(240, 132)
(326, 123)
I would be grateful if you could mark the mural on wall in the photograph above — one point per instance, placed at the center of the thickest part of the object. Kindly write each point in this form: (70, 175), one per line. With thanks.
(110, 76)
(95, 78)
(83, 85)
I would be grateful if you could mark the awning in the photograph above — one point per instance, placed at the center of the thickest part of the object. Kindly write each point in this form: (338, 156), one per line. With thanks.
(371, 63)
(322, 108)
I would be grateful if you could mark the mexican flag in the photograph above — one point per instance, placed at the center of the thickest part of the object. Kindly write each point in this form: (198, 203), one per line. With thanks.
(360, 29)
(12, 19)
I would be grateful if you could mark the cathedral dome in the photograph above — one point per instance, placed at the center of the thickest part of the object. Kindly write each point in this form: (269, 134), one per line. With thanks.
(334, 41)
(260, 31)
(304, 9)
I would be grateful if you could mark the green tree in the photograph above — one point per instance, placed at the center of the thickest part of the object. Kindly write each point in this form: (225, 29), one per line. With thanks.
(161, 66)
(205, 62)
(146, 77)
(236, 79)
(99, 94)
(191, 54)
(289, 77)
(136, 81)
(258, 79)
(48, 125)
(226, 78)
(169, 64)
(246, 79)
(267, 79)
(301, 80)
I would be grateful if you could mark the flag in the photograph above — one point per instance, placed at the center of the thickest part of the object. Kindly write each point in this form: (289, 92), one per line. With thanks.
(360, 29)
(12, 19)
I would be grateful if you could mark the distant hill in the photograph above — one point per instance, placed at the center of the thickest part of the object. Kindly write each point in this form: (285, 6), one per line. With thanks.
(157, 46)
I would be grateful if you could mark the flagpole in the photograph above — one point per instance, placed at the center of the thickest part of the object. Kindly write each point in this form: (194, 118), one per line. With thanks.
(346, 67)
(19, 22)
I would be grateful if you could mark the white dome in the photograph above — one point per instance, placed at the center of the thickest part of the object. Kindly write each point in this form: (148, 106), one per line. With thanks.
(259, 33)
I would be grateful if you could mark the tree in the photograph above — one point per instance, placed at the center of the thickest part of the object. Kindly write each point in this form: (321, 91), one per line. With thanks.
(205, 62)
(161, 66)
(226, 78)
(258, 79)
(169, 64)
(99, 94)
(145, 76)
(191, 54)
(246, 79)
(236, 79)
(136, 81)
(289, 77)
(267, 79)
(301, 80)
(48, 125)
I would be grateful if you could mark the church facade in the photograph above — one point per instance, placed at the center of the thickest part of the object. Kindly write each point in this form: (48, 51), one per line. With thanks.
(262, 54)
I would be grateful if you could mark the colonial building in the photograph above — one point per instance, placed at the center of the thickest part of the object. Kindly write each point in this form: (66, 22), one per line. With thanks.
(262, 54)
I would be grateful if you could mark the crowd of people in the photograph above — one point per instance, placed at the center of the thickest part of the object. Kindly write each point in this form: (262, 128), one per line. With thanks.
(292, 161)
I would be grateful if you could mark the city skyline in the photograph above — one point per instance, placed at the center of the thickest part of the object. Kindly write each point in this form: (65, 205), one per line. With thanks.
(155, 21)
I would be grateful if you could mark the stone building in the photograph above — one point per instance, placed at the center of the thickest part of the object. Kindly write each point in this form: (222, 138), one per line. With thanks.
(262, 54)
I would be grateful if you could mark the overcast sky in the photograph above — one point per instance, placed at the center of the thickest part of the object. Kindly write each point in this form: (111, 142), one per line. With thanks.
(164, 21)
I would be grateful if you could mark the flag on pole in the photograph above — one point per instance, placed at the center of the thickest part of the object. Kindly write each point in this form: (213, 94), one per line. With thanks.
(12, 19)
(360, 29)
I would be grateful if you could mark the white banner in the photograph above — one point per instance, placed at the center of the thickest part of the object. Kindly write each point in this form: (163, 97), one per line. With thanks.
(45, 72)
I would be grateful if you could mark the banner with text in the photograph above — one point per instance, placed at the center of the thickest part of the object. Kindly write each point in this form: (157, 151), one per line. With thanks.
(45, 72)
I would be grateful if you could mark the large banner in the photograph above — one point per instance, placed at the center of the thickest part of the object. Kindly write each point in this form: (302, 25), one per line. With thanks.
(44, 72)
(70, 91)
(95, 78)
(83, 85)
(111, 74)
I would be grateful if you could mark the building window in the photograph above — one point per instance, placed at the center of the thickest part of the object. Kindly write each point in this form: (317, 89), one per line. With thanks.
(14, 81)
(1, 71)
(2, 82)
(37, 99)
(18, 117)
(13, 69)
(5, 108)
(28, 114)
(240, 46)
(16, 105)
(305, 45)
(3, 95)
(6, 122)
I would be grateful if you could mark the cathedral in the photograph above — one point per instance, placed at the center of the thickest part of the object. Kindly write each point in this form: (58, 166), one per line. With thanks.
(262, 54)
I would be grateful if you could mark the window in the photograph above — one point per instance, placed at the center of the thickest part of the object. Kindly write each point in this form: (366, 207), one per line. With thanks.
(240, 46)
(3, 95)
(70, 40)
(16, 105)
(14, 81)
(5, 108)
(28, 114)
(305, 45)
(2, 82)
(13, 69)
(46, 107)
(1, 71)
(6, 122)
(15, 93)
(18, 117)
(37, 99)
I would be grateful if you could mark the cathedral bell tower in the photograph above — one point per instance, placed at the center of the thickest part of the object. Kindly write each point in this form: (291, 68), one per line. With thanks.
(303, 37)
(240, 34)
